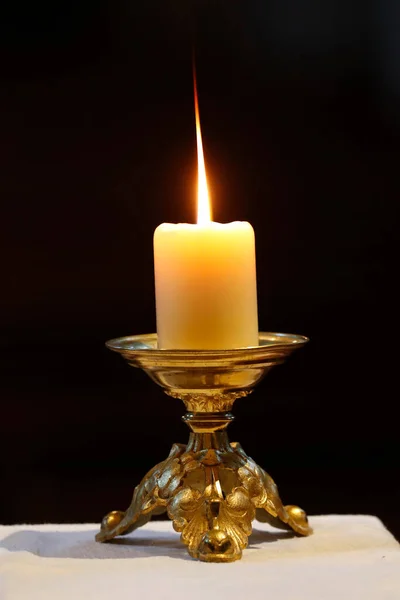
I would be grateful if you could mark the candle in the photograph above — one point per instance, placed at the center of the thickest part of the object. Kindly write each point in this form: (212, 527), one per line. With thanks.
(205, 277)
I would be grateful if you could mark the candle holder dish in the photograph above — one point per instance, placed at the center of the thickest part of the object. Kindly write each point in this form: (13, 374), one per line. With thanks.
(210, 488)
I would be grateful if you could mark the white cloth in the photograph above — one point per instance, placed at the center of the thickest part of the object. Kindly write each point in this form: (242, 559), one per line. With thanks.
(349, 557)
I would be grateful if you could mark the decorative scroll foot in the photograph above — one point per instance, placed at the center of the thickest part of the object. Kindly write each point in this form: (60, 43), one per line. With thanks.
(149, 497)
(212, 491)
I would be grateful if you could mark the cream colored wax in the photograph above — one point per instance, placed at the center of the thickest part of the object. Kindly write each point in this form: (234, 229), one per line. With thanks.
(205, 279)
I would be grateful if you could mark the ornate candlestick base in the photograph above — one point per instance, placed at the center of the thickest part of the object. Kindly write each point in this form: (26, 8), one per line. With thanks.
(211, 489)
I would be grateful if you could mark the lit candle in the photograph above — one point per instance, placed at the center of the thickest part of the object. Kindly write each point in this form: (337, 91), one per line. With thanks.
(205, 277)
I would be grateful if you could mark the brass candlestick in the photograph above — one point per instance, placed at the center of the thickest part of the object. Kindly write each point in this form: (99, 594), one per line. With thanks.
(211, 489)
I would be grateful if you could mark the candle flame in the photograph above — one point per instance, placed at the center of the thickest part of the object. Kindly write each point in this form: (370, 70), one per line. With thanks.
(203, 197)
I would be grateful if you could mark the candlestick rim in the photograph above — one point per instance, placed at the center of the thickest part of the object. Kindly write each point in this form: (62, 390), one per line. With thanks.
(146, 344)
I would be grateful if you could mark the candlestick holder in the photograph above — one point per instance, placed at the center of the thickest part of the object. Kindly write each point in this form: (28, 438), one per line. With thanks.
(210, 488)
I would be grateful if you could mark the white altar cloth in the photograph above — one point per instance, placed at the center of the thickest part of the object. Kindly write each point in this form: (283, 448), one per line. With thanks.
(349, 557)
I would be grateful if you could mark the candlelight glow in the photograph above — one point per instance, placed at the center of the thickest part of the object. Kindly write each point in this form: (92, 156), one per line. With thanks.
(203, 198)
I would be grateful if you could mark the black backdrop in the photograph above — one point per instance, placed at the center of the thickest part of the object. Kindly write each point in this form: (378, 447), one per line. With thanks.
(299, 107)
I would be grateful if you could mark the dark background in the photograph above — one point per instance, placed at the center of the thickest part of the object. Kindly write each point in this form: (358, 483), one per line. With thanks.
(299, 103)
